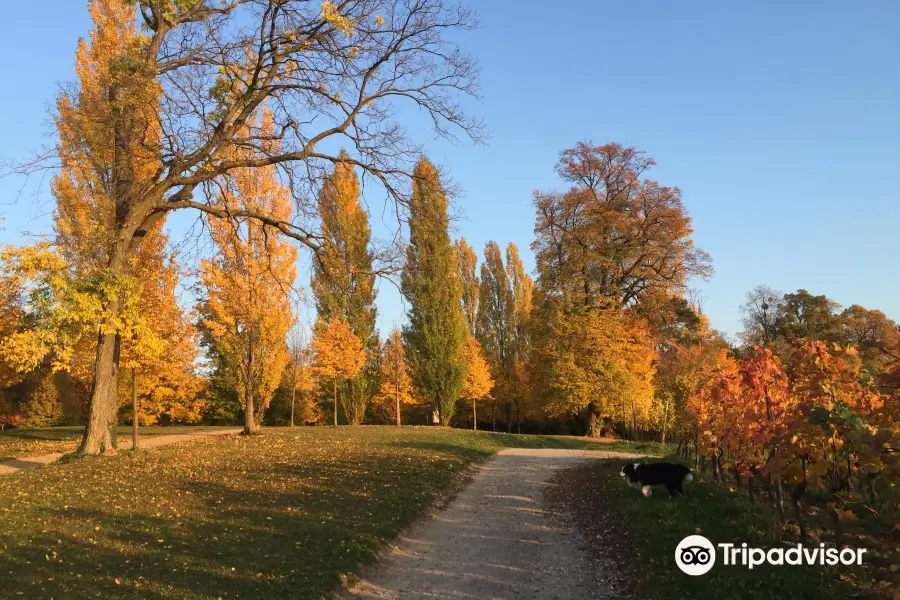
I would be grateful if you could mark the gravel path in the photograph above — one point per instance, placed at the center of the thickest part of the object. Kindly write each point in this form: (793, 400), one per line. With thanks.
(150, 441)
(495, 541)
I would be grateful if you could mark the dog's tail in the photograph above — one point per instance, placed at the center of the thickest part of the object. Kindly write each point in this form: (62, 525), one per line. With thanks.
(689, 477)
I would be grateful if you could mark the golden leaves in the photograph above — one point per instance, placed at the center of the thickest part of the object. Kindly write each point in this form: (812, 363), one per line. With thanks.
(339, 353)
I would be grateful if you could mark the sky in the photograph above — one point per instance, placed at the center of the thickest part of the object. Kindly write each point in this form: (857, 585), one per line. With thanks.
(779, 121)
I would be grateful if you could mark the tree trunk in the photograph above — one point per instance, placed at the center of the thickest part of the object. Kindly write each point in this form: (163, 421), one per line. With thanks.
(293, 401)
(250, 426)
(474, 417)
(665, 421)
(592, 429)
(493, 416)
(397, 391)
(102, 411)
(633, 420)
(335, 403)
(135, 411)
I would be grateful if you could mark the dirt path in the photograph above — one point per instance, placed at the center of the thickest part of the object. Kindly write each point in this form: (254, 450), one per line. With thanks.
(149, 441)
(496, 541)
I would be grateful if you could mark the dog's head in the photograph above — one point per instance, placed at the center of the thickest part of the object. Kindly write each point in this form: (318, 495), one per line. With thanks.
(628, 471)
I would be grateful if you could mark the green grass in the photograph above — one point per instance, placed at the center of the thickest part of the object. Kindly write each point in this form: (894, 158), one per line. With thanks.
(281, 515)
(32, 442)
(652, 528)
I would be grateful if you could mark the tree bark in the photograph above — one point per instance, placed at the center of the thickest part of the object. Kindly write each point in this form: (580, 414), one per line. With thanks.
(665, 421)
(592, 429)
(398, 409)
(335, 403)
(250, 426)
(293, 399)
(102, 411)
(474, 417)
(135, 411)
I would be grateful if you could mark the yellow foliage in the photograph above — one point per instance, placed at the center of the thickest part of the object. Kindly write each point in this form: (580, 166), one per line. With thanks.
(339, 353)
(478, 382)
(246, 310)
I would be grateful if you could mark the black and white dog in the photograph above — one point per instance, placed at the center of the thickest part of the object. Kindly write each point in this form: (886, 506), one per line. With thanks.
(668, 474)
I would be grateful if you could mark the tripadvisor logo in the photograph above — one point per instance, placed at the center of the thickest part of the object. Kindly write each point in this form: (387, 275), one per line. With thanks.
(696, 555)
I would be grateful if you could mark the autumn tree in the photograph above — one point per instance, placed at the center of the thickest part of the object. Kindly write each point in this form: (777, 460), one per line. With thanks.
(300, 375)
(478, 382)
(467, 260)
(246, 307)
(339, 355)
(875, 336)
(85, 216)
(174, 89)
(435, 334)
(495, 329)
(805, 316)
(522, 292)
(395, 385)
(343, 277)
(613, 236)
(598, 365)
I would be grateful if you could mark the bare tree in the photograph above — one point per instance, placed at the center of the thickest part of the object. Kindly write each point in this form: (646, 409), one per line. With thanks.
(331, 74)
(760, 319)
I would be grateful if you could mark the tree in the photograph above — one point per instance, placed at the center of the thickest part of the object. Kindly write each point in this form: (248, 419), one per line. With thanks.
(478, 382)
(598, 364)
(339, 354)
(496, 325)
(613, 237)
(761, 313)
(246, 309)
(300, 368)
(343, 278)
(160, 113)
(395, 385)
(804, 316)
(467, 260)
(435, 334)
(522, 292)
(875, 336)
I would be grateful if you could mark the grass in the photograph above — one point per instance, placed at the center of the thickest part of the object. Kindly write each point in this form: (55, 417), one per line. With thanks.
(646, 531)
(33, 442)
(283, 515)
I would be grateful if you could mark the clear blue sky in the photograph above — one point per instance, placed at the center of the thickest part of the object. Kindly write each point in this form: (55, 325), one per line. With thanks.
(780, 121)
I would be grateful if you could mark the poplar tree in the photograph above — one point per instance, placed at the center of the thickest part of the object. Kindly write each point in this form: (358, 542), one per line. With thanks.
(466, 258)
(495, 328)
(343, 281)
(435, 336)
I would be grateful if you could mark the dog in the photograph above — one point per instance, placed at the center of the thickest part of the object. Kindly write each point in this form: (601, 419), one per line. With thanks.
(644, 476)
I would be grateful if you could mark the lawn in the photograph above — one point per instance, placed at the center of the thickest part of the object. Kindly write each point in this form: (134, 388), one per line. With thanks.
(33, 442)
(286, 514)
(642, 533)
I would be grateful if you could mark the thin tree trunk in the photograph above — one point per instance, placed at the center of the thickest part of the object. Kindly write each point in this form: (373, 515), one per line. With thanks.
(397, 392)
(335, 403)
(135, 411)
(293, 400)
(474, 417)
(665, 421)
(633, 420)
